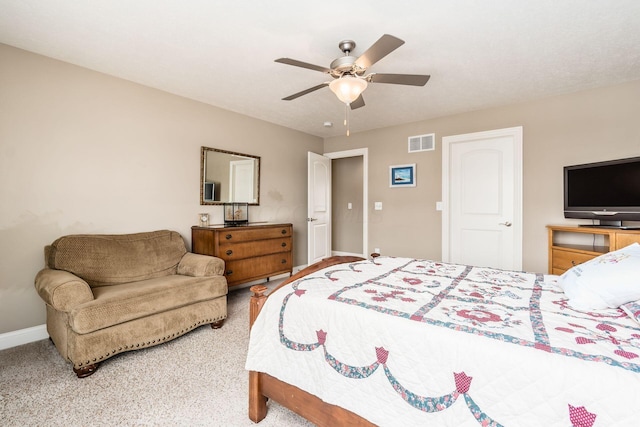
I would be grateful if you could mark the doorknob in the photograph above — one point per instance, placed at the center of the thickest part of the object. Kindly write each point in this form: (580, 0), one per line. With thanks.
(312, 219)
(506, 224)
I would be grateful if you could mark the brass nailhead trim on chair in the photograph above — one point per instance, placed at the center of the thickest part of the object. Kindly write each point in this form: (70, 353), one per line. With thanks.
(158, 340)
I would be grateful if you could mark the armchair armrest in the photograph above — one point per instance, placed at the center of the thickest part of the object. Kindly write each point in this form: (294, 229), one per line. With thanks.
(200, 265)
(62, 290)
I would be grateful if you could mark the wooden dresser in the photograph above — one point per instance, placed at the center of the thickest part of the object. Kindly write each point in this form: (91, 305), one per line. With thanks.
(250, 252)
(594, 242)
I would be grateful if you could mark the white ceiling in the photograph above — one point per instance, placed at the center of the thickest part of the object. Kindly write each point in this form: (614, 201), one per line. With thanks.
(479, 53)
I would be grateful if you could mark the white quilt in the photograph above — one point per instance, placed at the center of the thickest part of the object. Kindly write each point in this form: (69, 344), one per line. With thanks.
(415, 342)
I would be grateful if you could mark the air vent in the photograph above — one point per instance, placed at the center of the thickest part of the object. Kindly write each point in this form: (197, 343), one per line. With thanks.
(422, 143)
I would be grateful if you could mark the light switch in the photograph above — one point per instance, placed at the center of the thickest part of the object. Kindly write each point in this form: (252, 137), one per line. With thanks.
(438, 206)
(349, 205)
(377, 206)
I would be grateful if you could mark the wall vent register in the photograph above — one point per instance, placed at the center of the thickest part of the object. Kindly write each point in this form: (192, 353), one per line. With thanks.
(422, 143)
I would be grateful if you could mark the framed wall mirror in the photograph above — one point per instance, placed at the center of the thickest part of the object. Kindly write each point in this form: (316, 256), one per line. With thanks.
(228, 177)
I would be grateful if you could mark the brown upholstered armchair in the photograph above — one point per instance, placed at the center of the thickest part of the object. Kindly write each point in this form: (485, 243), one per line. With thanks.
(107, 294)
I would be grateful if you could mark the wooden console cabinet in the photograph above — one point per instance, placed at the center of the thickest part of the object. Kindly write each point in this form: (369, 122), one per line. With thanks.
(250, 252)
(563, 255)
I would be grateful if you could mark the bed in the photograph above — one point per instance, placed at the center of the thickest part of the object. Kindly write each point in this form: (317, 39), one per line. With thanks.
(398, 341)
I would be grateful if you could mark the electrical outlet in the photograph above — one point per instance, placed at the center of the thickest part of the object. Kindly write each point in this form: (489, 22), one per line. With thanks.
(376, 250)
(377, 206)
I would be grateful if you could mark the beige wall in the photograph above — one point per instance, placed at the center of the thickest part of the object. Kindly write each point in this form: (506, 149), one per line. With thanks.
(82, 152)
(583, 127)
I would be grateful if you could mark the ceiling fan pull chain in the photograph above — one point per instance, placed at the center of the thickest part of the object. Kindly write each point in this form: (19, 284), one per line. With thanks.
(346, 117)
(346, 113)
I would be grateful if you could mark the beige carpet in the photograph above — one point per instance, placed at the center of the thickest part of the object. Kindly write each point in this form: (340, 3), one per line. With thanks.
(195, 380)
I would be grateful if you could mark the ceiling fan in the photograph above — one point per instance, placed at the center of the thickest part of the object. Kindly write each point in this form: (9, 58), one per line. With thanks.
(349, 72)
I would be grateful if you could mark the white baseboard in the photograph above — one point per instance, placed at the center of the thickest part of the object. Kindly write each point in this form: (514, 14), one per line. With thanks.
(347, 254)
(298, 268)
(23, 336)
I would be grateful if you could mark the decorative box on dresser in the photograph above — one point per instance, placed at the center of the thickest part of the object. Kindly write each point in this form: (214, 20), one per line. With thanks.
(250, 252)
(564, 255)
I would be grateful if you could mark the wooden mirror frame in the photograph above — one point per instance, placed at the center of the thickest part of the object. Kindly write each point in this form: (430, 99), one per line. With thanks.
(203, 156)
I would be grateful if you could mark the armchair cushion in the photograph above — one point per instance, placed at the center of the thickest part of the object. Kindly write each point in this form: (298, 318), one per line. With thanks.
(129, 301)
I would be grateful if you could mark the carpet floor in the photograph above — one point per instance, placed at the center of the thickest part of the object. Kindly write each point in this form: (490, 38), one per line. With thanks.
(195, 380)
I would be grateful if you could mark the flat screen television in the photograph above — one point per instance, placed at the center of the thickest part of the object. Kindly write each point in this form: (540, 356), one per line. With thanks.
(608, 192)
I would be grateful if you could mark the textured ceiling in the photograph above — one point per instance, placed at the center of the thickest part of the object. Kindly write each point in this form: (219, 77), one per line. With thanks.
(479, 53)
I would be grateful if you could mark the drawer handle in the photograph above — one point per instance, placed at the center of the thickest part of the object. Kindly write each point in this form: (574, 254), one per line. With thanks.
(284, 231)
(229, 252)
(573, 263)
(284, 245)
(228, 236)
(284, 261)
(229, 272)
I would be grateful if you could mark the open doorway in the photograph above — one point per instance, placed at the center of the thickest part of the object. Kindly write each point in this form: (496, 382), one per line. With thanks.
(349, 207)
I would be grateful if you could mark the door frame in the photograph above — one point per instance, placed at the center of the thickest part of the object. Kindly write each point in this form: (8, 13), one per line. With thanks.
(447, 142)
(357, 152)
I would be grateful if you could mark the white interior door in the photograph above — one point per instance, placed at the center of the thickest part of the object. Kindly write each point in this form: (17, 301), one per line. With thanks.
(241, 182)
(482, 199)
(318, 207)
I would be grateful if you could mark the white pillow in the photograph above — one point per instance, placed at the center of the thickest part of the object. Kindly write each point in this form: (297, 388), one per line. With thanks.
(607, 281)
(632, 309)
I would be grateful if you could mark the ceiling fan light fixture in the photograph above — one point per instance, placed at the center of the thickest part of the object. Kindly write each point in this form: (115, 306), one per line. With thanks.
(348, 88)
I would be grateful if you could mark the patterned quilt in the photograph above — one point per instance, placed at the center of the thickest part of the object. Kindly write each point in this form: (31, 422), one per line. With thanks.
(415, 342)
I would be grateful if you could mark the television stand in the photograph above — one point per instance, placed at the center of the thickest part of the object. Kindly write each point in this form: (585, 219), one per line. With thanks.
(565, 253)
(615, 227)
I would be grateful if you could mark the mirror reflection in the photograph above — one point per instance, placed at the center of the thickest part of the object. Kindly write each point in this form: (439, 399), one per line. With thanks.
(227, 177)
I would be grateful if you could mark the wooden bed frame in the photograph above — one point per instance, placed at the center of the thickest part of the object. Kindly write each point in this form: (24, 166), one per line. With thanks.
(263, 386)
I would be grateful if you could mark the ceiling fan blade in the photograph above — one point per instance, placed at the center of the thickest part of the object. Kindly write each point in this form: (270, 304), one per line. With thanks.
(400, 79)
(359, 102)
(384, 46)
(297, 63)
(304, 92)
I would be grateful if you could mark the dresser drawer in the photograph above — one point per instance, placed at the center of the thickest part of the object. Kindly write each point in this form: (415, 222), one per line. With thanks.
(253, 268)
(249, 235)
(563, 260)
(238, 250)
